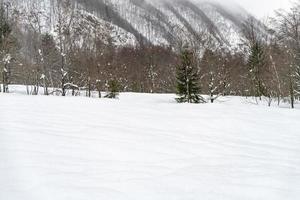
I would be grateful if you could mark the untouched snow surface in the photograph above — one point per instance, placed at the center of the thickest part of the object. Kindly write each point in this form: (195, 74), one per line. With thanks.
(146, 147)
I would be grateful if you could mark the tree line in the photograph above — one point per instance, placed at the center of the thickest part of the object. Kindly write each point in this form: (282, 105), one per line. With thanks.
(82, 55)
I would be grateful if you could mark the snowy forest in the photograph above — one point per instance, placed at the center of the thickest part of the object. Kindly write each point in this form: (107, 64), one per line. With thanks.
(69, 47)
(149, 100)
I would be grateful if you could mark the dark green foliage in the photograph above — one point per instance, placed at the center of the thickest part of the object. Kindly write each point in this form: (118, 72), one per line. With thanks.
(47, 39)
(257, 64)
(5, 28)
(188, 88)
(113, 88)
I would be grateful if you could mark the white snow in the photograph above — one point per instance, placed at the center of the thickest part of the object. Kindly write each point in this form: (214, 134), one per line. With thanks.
(7, 58)
(146, 147)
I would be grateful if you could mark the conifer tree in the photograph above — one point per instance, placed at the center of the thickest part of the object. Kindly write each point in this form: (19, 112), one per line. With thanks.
(113, 87)
(5, 30)
(4, 26)
(188, 88)
(256, 64)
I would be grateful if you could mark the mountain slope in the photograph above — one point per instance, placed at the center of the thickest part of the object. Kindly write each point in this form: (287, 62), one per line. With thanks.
(164, 22)
(157, 21)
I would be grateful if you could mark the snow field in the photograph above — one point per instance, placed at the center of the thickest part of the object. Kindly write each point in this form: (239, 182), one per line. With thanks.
(146, 147)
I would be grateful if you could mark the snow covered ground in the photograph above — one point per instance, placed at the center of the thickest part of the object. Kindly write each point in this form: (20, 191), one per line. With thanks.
(146, 147)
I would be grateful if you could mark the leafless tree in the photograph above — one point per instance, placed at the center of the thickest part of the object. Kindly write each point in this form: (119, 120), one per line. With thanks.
(288, 26)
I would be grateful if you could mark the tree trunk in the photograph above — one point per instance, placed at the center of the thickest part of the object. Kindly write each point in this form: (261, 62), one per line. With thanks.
(292, 95)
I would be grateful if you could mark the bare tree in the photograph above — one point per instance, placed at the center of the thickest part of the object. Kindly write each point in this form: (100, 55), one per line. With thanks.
(65, 15)
(215, 75)
(288, 25)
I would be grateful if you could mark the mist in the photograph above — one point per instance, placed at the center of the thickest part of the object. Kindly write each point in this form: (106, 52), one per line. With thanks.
(258, 8)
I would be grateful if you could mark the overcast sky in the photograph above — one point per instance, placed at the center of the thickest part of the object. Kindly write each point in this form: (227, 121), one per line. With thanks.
(263, 8)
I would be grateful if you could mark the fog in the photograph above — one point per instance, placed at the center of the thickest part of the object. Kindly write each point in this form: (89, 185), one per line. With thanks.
(263, 8)
(259, 8)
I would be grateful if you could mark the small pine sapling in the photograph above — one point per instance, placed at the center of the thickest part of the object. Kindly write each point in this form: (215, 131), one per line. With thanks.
(113, 89)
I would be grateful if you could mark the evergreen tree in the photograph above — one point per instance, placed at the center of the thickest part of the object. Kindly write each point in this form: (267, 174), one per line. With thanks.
(188, 88)
(113, 88)
(5, 30)
(257, 64)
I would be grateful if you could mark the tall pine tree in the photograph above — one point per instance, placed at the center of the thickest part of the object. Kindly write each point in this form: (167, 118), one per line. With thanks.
(5, 30)
(257, 64)
(188, 88)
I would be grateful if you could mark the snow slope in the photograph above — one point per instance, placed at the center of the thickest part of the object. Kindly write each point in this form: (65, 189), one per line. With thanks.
(146, 147)
(216, 24)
